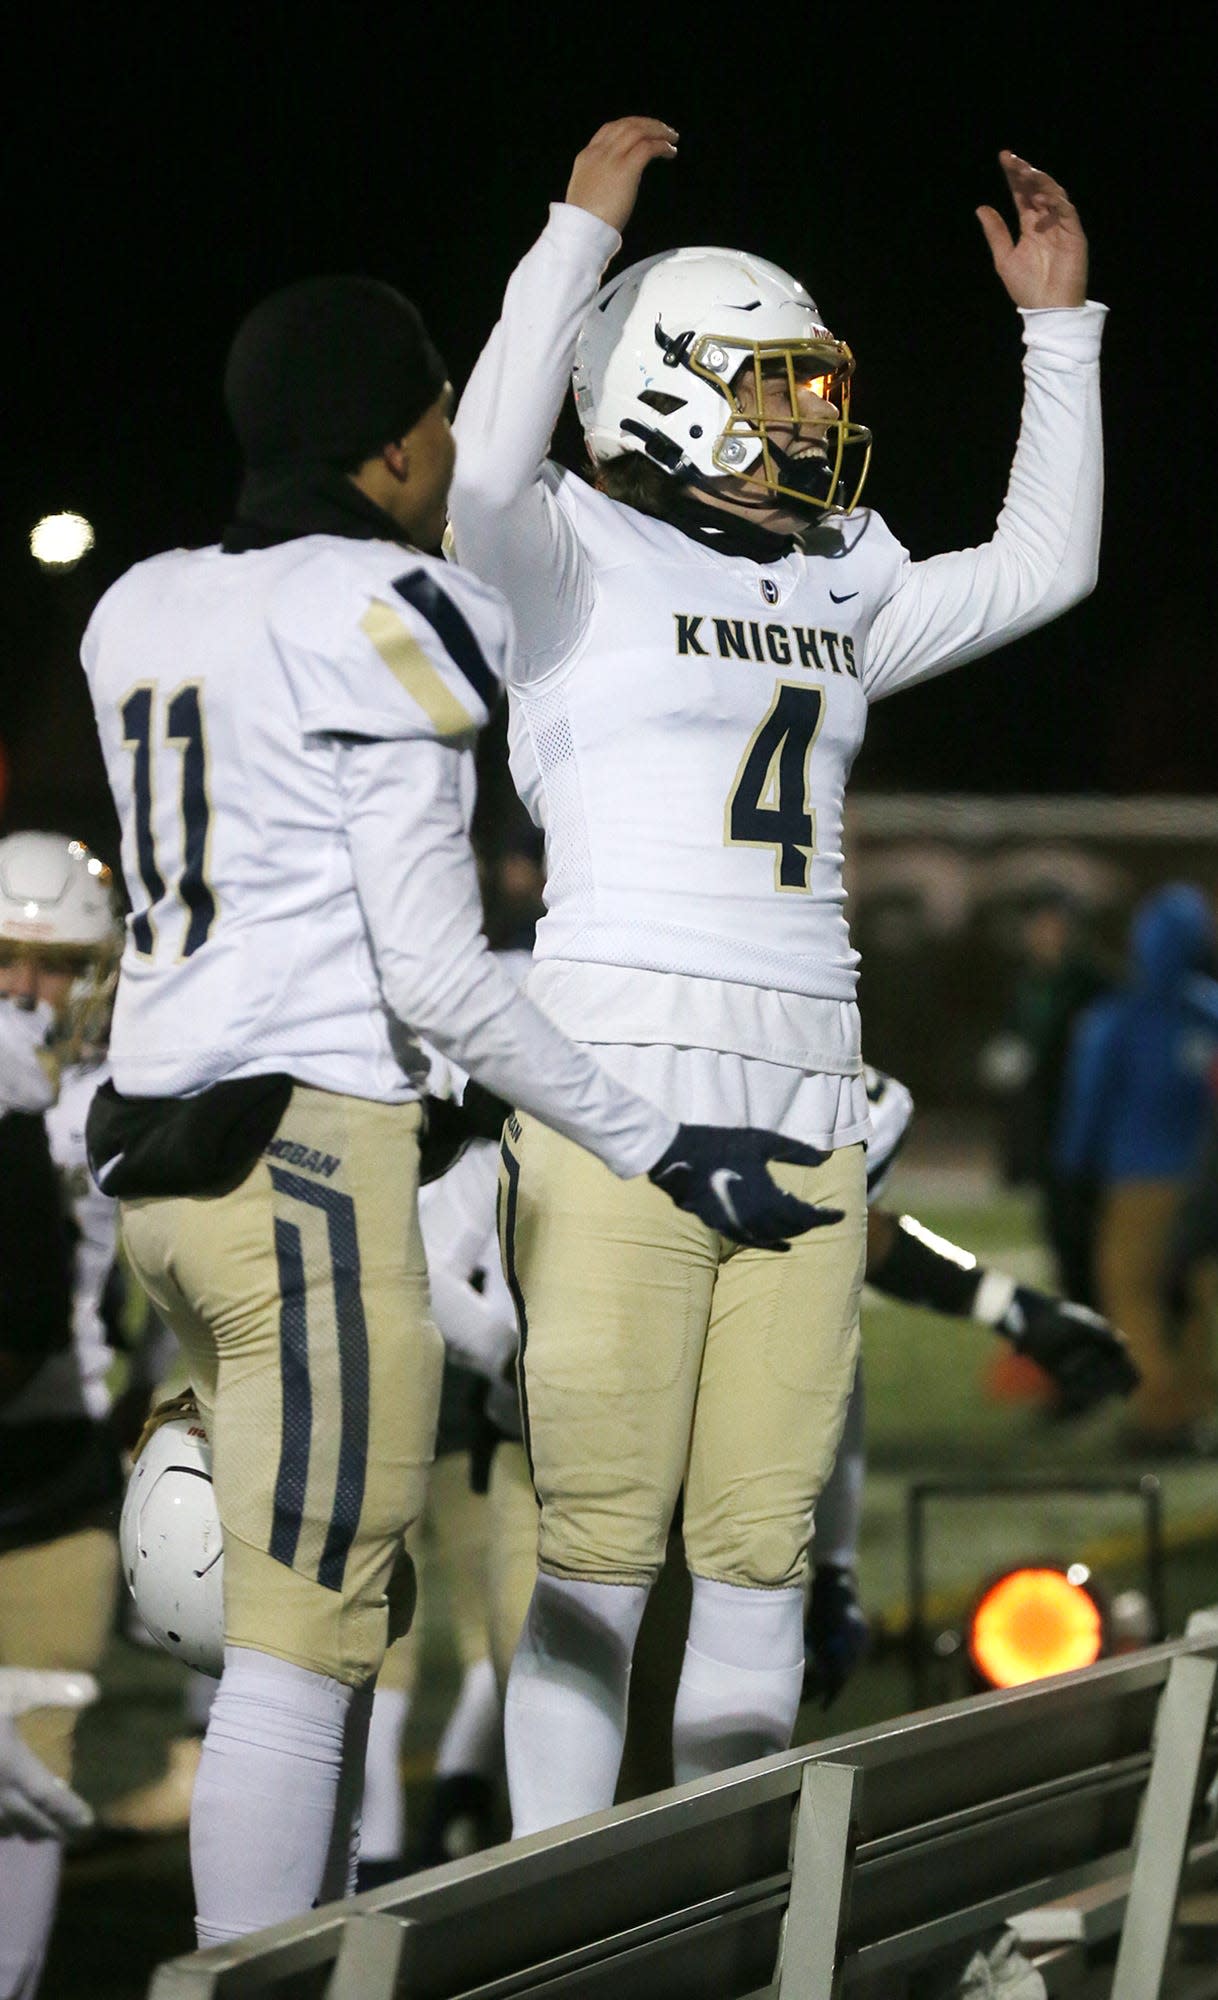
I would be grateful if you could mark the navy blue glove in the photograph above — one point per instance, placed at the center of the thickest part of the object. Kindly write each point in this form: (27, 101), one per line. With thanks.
(721, 1175)
(1086, 1357)
(836, 1634)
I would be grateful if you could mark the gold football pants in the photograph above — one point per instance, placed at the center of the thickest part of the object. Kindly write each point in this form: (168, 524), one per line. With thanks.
(57, 1603)
(300, 1300)
(656, 1356)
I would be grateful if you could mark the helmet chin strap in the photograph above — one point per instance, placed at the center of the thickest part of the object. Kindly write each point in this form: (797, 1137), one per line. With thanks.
(719, 528)
(671, 459)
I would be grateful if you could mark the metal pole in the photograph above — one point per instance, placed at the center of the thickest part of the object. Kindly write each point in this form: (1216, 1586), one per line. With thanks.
(820, 1874)
(1162, 1842)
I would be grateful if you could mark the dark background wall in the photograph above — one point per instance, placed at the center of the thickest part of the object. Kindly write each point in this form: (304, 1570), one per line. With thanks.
(166, 168)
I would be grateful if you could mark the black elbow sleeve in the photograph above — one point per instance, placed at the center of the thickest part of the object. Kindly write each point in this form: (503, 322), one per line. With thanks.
(927, 1270)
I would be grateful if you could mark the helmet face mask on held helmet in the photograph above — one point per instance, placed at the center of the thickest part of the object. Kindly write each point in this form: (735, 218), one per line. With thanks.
(717, 366)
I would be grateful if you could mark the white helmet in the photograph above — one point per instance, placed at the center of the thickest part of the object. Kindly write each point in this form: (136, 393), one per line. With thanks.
(57, 903)
(54, 892)
(170, 1543)
(662, 347)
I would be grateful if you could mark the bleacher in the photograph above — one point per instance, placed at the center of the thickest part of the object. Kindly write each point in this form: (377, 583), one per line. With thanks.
(1072, 1812)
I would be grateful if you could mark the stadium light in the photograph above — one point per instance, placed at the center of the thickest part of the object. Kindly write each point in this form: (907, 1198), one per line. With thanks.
(58, 541)
(1033, 1621)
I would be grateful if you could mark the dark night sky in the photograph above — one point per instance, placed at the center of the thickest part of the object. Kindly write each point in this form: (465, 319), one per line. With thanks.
(160, 182)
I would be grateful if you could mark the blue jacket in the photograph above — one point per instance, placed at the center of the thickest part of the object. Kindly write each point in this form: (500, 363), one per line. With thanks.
(1137, 1093)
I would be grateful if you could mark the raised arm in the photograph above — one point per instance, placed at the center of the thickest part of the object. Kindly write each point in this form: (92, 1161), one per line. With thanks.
(506, 524)
(1044, 554)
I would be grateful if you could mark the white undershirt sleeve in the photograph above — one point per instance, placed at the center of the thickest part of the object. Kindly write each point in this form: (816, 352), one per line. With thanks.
(1044, 554)
(418, 888)
(507, 525)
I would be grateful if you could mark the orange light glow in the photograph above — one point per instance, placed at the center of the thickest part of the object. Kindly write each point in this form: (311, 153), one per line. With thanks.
(1031, 1623)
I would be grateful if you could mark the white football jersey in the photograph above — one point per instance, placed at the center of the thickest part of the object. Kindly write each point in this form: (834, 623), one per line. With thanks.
(74, 1383)
(688, 763)
(221, 685)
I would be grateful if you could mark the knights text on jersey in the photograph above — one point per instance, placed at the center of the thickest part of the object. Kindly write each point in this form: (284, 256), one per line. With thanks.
(222, 686)
(688, 762)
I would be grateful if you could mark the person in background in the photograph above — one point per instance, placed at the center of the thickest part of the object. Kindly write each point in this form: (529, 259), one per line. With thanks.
(60, 1480)
(1059, 974)
(1134, 1116)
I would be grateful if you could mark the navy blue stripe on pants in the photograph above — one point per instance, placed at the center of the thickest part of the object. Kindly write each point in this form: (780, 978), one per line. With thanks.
(353, 1366)
(508, 1232)
(296, 1426)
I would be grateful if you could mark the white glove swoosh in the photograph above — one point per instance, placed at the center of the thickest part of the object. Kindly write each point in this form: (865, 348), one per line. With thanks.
(721, 1187)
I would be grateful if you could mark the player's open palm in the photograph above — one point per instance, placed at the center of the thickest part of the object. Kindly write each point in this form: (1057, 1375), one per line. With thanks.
(606, 175)
(1046, 263)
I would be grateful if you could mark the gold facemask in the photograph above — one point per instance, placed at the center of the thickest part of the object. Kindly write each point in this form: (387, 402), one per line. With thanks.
(779, 373)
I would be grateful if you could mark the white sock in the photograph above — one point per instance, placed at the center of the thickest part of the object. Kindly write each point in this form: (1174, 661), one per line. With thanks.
(29, 1892)
(473, 1735)
(270, 1826)
(565, 1711)
(382, 1834)
(741, 1677)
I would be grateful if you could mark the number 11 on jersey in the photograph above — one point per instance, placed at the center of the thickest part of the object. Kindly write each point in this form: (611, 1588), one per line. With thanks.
(770, 805)
(184, 732)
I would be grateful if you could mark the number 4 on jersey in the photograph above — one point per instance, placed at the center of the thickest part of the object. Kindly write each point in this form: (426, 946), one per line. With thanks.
(769, 805)
(184, 730)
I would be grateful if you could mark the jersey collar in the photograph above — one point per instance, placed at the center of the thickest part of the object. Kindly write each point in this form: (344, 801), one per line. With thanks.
(283, 504)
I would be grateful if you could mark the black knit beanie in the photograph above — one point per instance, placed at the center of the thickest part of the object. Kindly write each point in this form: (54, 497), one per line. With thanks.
(328, 371)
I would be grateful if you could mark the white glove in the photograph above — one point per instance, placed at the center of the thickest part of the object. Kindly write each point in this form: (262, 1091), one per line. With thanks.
(33, 1802)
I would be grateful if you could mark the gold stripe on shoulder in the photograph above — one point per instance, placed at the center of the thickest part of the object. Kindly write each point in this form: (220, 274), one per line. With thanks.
(410, 666)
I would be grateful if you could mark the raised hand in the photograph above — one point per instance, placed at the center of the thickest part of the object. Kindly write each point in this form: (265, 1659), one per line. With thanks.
(1047, 265)
(606, 175)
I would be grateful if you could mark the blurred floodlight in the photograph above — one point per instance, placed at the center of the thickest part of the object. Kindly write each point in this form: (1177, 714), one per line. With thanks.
(60, 540)
(1032, 1622)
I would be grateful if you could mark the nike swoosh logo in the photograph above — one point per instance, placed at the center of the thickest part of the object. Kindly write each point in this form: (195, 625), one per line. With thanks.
(845, 596)
(721, 1187)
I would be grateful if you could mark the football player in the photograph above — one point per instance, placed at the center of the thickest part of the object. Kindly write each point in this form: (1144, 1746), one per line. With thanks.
(702, 625)
(283, 718)
(59, 1467)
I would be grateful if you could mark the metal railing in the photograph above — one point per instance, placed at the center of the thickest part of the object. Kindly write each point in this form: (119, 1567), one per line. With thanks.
(837, 1869)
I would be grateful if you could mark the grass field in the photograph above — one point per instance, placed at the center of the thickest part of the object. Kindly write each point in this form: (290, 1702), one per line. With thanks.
(127, 1906)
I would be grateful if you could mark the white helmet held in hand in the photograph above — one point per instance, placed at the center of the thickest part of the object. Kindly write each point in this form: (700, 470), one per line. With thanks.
(659, 368)
(171, 1547)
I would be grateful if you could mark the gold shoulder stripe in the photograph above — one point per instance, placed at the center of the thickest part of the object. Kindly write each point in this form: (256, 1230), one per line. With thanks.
(410, 666)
